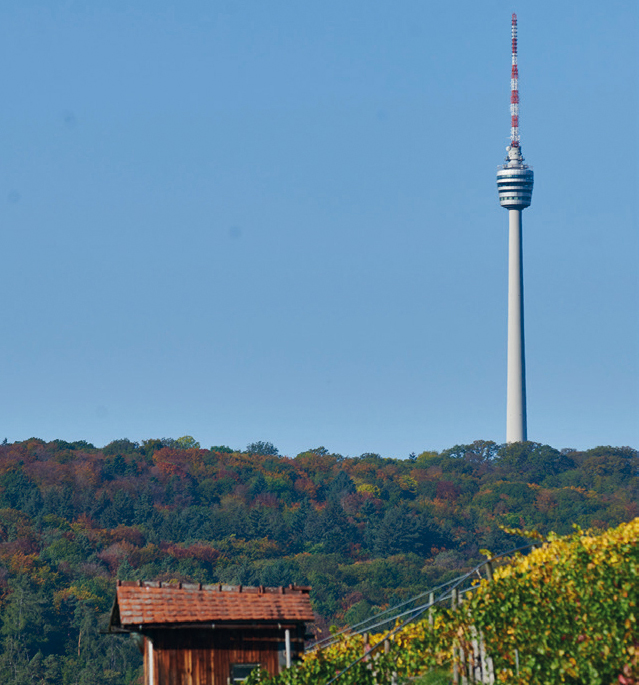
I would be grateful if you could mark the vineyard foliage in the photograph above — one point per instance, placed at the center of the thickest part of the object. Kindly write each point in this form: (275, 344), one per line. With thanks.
(565, 613)
(364, 532)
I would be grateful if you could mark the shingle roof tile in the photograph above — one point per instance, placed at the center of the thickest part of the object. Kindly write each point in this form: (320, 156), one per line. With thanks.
(156, 603)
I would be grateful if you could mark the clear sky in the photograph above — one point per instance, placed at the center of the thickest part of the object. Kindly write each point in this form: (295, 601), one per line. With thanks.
(246, 220)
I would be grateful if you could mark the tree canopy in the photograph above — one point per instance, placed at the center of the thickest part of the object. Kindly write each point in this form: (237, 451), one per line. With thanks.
(364, 532)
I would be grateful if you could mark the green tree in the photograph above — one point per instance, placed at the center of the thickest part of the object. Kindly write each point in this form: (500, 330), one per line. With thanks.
(26, 627)
(187, 442)
(532, 461)
(120, 447)
(262, 448)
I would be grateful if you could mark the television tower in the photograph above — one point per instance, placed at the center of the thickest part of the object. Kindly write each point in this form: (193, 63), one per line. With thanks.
(515, 184)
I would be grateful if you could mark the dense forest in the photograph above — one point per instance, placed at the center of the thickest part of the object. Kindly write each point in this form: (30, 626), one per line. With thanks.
(364, 532)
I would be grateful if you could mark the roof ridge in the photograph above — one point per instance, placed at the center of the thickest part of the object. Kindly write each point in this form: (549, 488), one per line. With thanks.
(214, 587)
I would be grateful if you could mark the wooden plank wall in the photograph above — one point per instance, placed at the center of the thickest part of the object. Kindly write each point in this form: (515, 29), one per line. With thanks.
(205, 657)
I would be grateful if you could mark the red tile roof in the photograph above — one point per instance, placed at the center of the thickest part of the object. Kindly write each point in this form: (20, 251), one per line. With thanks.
(165, 603)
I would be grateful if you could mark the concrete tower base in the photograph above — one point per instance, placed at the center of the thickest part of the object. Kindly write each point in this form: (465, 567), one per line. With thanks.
(516, 430)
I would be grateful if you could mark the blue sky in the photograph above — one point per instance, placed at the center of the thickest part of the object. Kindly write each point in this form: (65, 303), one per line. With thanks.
(248, 220)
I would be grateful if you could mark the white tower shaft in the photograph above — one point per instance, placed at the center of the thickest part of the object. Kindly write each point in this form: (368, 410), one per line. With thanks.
(516, 385)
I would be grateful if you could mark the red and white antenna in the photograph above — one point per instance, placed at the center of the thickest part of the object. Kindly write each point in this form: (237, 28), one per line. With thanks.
(514, 90)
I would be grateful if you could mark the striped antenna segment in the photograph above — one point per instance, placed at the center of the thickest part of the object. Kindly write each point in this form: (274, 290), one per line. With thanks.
(514, 89)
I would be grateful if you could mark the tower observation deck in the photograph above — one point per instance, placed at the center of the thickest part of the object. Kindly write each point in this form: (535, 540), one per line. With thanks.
(515, 181)
(515, 186)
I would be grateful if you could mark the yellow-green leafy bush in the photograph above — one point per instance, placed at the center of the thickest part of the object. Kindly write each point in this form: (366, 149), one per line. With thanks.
(568, 610)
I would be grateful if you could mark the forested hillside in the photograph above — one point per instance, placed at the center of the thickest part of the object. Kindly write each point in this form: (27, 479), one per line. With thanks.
(363, 531)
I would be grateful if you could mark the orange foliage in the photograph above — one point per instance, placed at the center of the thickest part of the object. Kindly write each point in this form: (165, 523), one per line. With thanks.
(199, 551)
(303, 484)
(130, 534)
(446, 490)
(49, 473)
(115, 554)
(19, 562)
(310, 461)
(545, 501)
(146, 555)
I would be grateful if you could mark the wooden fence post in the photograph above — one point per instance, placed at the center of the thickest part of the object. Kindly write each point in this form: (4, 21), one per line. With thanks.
(431, 616)
(453, 606)
(464, 665)
(488, 673)
(487, 669)
(478, 674)
(387, 651)
(489, 570)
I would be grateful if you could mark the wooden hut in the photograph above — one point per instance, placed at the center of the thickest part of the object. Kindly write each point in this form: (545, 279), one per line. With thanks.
(211, 634)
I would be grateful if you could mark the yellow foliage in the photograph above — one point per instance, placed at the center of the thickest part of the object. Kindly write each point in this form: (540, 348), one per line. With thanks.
(369, 488)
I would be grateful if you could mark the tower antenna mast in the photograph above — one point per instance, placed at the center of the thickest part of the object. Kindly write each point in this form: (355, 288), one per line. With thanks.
(514, 88)
(515, 186)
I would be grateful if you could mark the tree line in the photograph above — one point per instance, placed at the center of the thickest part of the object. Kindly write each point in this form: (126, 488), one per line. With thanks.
(363, 531)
